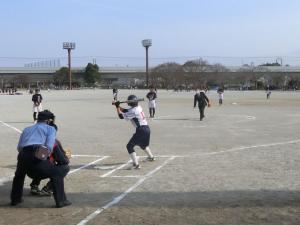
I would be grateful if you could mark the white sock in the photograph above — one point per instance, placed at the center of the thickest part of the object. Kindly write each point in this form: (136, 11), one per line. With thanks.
(134, 158)
(148, 152)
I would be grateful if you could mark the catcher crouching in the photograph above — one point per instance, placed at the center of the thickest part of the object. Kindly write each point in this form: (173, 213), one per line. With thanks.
(59, 156)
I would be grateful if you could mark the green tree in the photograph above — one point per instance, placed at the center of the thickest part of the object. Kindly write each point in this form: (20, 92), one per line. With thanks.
(61, 76)
(91, 74)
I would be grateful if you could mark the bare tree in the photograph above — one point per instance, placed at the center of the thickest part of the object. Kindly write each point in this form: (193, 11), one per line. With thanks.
(217, 74)
(167, 75)
(194, 70)
(252, 74)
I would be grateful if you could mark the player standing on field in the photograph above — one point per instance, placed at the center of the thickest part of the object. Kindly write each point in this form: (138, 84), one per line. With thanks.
(152, 104)
(141, 137)
(221, 95)
(115, 94)
(202, 100)
(37, 103)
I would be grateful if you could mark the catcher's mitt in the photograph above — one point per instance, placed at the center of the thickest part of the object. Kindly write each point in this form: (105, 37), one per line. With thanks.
(68, 153)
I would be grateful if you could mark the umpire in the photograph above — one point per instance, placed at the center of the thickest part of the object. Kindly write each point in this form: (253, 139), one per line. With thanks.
(202, 100)
(39, 134)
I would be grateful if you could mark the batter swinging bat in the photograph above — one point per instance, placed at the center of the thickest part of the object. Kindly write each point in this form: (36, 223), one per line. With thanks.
(130, 101)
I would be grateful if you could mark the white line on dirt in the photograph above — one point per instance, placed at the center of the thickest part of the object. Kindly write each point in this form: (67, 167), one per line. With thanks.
(163, 156)
(117, 199)
(14, 128)
(247, 147)
(5, 179)
(125, 164)
(96, 156)
(89, 164)
(128, 176)
(118, 168)
(99, 156)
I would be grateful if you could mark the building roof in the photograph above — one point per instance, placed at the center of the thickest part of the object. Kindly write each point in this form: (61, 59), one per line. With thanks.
(24, 70)
(8, 70)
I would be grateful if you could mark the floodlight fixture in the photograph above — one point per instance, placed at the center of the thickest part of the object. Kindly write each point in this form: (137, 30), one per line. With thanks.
(147, 43)
(69, 46)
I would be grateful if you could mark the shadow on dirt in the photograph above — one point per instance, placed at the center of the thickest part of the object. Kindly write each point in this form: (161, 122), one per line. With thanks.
(205, 199)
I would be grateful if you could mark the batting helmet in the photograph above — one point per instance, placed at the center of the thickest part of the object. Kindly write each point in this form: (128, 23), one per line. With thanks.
(133, 99)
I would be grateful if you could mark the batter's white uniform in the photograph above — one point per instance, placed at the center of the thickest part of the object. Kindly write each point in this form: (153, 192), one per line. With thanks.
(136, 116)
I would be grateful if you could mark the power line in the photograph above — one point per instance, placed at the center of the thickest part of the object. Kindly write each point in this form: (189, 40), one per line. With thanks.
(165, 57)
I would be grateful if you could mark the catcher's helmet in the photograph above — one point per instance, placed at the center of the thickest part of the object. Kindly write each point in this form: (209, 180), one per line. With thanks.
(134, 100)
(46, 115)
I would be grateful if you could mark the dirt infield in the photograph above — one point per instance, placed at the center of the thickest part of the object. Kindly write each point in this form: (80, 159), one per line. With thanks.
(238, 166)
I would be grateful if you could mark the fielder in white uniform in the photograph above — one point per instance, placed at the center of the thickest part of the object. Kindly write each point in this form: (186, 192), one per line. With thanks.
(152, 103)
(37, 103)
(221, 95)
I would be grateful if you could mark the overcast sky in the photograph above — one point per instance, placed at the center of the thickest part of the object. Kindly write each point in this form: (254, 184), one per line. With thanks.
(178, 29)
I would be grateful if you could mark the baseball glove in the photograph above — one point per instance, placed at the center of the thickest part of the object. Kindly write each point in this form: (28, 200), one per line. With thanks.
(68, 153)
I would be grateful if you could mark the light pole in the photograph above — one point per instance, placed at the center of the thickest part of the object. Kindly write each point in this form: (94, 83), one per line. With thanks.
(147, 43)
(69, 46)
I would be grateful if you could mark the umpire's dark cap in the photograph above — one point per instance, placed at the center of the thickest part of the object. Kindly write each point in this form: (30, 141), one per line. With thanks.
(46, 115)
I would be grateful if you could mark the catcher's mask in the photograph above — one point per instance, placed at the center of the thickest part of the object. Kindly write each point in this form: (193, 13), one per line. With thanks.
(134, 100)
(46, 116)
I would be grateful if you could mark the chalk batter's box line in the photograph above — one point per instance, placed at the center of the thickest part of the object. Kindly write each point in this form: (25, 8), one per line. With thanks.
(120, 197)
(89, 156)
(11, 127)
(109, 173)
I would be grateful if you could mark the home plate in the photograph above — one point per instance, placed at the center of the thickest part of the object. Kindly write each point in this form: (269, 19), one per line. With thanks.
(105, 167)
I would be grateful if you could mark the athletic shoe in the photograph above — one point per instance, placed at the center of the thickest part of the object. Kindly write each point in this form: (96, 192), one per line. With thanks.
(136, 166)
(63, 204)
(46, 191)
(16, 202)
(150, 159)
(34, 190)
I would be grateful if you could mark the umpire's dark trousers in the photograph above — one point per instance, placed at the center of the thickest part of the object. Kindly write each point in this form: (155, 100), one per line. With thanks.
(29, 165)
(201, 110)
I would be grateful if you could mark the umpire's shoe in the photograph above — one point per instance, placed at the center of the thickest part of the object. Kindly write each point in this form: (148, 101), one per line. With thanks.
(16, 202)
(63, 204)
